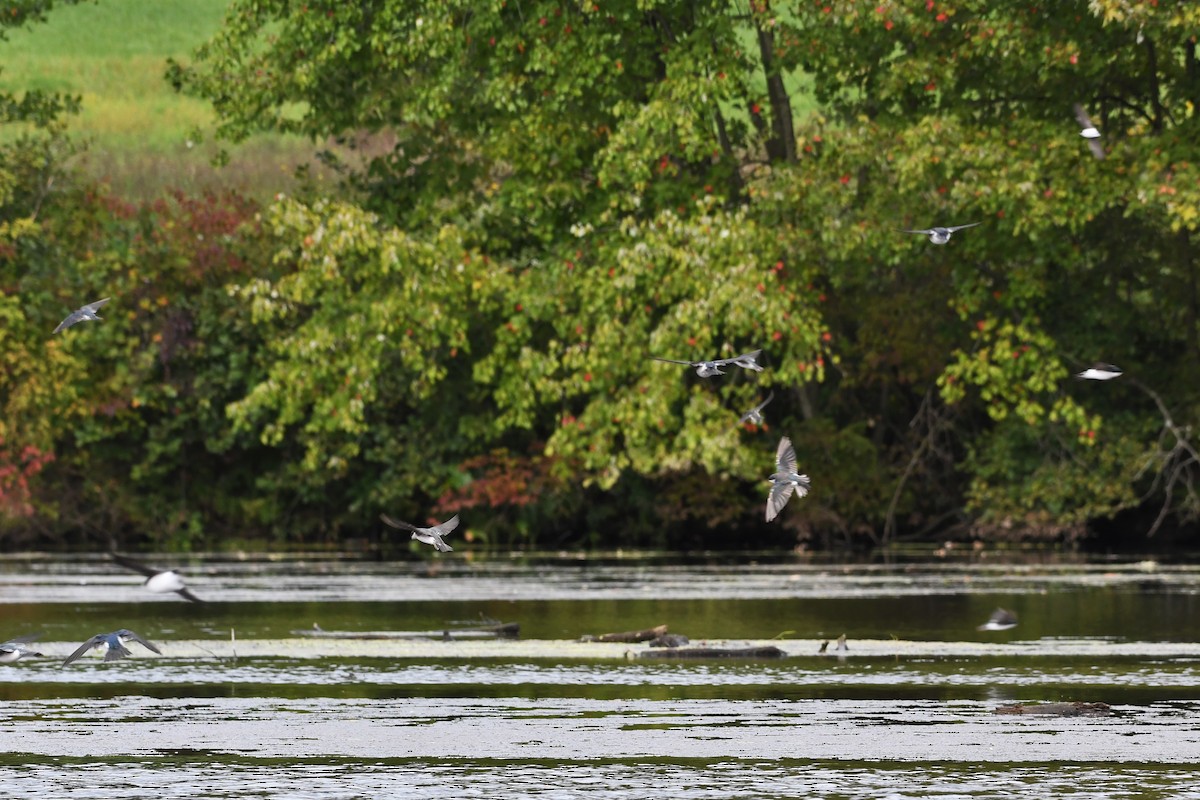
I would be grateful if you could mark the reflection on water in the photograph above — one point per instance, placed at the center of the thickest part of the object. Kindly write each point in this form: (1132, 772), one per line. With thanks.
(344, 727)
(1113, 612)
(1123, 680)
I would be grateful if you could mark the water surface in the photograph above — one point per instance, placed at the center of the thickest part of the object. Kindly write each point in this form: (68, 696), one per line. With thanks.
(197, 722)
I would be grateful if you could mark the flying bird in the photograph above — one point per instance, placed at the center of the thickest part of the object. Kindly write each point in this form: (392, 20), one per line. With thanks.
(158, 580)
(431, 535)
(1000, 620)
(785, 479)
(1100, 372)
(83, 314)
(939, 235)
(14, 649)
(1089, 132)
(705, 369)
(746, 360)
(755, 414)
(113, 644)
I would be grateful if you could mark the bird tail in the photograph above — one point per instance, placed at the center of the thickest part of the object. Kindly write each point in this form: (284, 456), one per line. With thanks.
(116, 652)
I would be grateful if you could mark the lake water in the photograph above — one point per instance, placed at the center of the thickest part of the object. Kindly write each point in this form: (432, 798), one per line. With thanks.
(243, 705)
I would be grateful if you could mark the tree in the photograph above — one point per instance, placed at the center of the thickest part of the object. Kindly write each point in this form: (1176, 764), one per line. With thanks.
(638, 181)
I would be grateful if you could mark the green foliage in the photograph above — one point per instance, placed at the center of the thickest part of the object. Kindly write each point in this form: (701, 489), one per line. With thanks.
(575, 188)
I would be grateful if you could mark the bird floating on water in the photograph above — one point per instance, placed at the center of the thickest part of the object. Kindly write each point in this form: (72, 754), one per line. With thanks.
(755, 415)
(1089, 132)
(1000, 620)
(82, 314)
(432, 535)
(113, 644)
(940, 235)
(1100, 372)
(158, 580)
(15, 648)
(785, 479)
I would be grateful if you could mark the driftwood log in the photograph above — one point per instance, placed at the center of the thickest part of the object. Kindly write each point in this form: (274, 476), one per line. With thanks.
(1076, 709)
(630, 636)
(714, 652)
(504, 630)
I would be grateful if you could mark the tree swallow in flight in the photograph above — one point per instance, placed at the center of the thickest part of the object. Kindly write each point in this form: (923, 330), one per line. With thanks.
(113, 644)
(431, 535)
(83, 314)
(746, 360)
(785, 479)
(158, 580)
(942, 235)
(755, 415)
(1100, 372)
(1089, 131)
(1000, 620)
(14, 649)
(707, 369)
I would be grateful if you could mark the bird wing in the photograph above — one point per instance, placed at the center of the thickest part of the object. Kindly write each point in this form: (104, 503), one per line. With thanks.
(676, 361)
(144, 643)
(1002, 616)
(785, 456)
(446, 527)
(763, 404)
(441, 546)
(777, 499)
(29, 637)
(395, 523)
(71, 319)
(136, 566)
(926, 232)
(1082, 118)
(83, 648)
(1097, 148)
(187, 595)
(93, 307)
(751, 356)
(954, 228)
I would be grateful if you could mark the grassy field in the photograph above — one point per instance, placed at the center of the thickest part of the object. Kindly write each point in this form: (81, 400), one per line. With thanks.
(139, 134)
(138, 131)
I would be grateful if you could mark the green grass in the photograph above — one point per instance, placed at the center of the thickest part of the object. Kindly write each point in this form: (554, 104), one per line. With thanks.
(136, 128)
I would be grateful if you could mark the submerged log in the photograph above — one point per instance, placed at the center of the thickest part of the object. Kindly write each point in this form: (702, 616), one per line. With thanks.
(630, 636)
(504, 630)
(1076, 709)
(714, 652)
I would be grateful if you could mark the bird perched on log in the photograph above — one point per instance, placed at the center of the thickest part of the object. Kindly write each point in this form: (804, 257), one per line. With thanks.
(432, 535)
